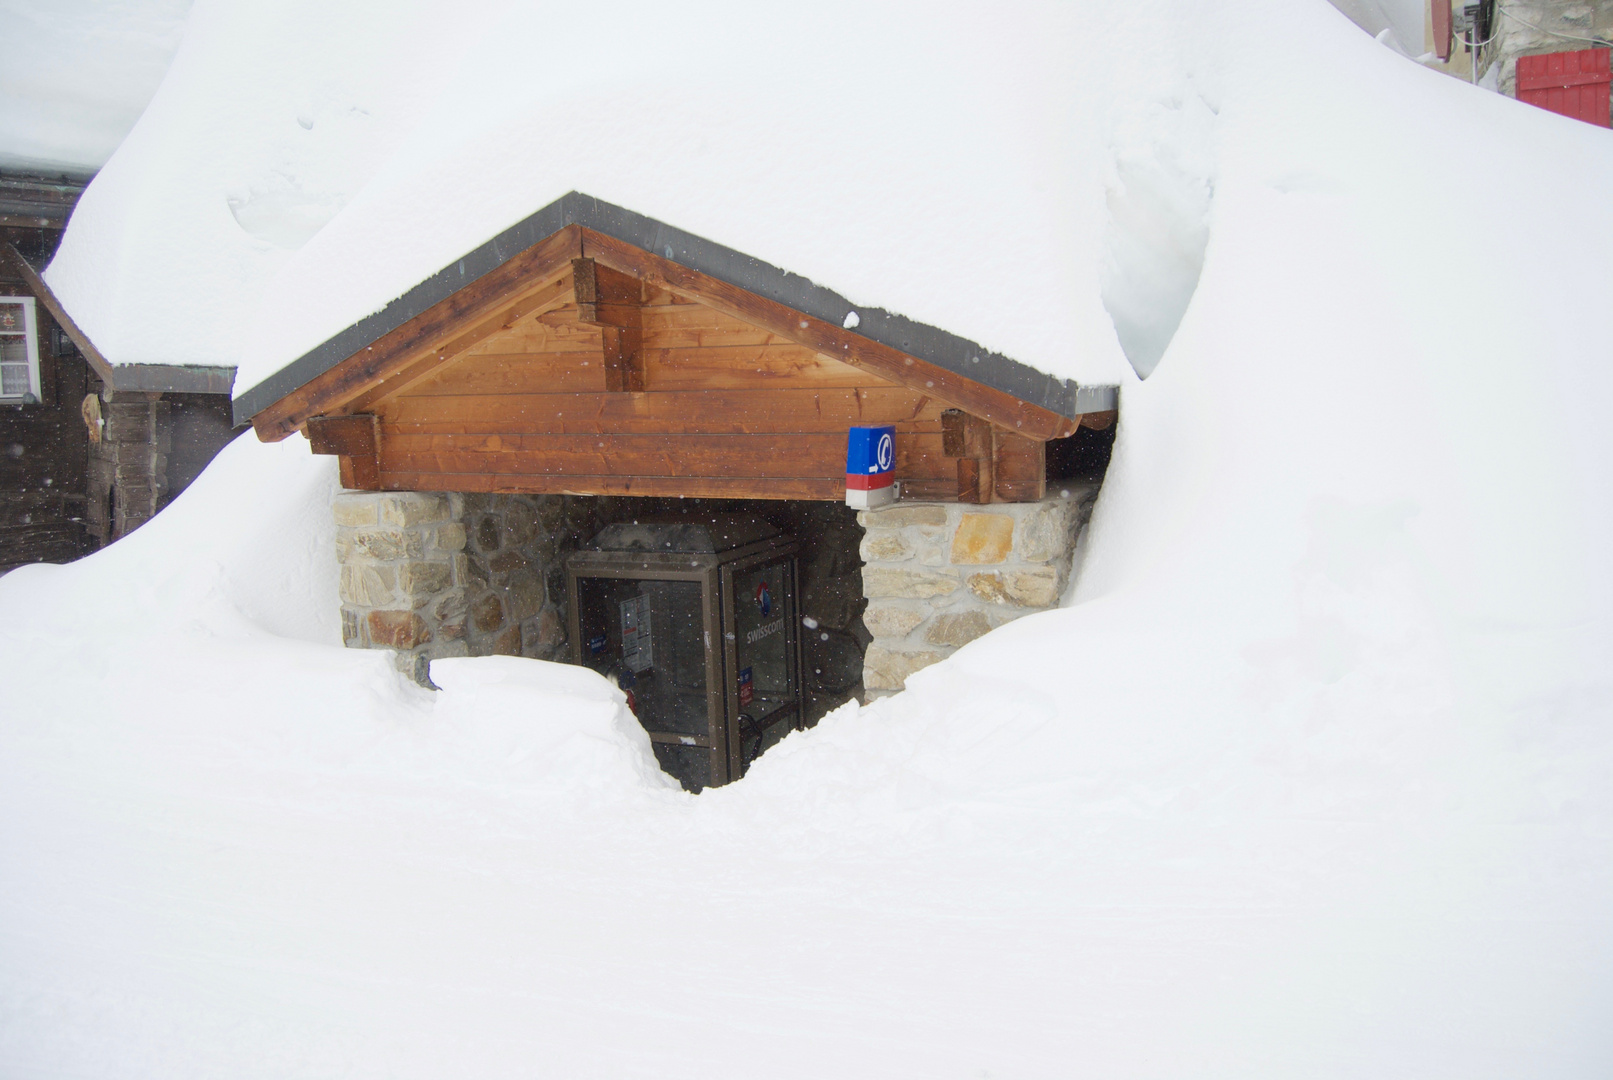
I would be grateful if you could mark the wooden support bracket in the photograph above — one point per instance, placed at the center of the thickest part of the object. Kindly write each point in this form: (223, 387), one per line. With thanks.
(614, 302)
(973, 442)
(356, 440)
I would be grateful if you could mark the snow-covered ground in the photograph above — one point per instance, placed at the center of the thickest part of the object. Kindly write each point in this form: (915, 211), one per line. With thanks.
(1313, 778)
(76, 76)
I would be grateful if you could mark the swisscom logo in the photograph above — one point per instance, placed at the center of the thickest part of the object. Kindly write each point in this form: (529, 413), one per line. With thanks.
(764, 599)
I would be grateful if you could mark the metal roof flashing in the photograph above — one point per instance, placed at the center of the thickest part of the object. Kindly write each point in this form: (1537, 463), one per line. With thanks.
(946, 350)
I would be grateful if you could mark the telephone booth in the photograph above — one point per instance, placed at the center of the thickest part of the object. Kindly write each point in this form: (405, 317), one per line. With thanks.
(695, 619)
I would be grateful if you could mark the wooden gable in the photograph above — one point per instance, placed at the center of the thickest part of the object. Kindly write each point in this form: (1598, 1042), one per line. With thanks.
(590, 366)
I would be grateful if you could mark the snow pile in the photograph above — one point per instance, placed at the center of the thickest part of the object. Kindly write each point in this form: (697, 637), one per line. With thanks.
(308, 163)
(1314, 777)
(76, 76)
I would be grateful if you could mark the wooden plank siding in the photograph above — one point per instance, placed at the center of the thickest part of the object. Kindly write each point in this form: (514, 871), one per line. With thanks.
(581, 378)
(727, 410)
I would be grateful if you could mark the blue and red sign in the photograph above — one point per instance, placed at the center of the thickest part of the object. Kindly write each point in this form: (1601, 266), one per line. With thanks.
(870, 466)
(764, 599)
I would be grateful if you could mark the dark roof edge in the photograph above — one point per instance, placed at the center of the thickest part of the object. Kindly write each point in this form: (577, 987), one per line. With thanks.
(956, 354)
(149, 378)
(173, 379)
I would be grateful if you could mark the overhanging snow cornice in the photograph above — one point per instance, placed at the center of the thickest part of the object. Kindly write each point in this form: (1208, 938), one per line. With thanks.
(945, 350)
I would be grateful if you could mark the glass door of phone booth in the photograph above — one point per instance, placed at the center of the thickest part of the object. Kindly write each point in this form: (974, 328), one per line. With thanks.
(696, 621)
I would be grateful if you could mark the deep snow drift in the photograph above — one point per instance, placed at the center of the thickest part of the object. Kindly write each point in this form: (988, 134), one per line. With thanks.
(1313, 778)
(76, 76)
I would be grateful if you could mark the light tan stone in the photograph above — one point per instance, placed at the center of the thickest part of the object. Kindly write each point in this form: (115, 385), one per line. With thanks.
(888, 620)
(982, 539)
(356, 509)
(449, 536)
(1048, 532)
(885, 545)
(896, 517)
(915, 584)
(1036, 587)
(421, 579)
(525, 595)
(413, 508)
(885, 669)
(367, 586)
(956, 628)
(386, 545)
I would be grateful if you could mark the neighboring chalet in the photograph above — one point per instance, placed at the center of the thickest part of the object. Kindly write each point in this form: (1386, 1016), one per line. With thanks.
(91, 450)
(592, 366)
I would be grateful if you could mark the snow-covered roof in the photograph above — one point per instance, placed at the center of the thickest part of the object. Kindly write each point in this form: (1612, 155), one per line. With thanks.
(300, 170)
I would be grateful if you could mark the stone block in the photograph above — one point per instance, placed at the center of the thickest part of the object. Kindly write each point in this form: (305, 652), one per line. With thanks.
(886, 669)
(386, 545)
(408, 508)
(956, 628)
(368, 586)
(520, 523)
(549, 633)
(982, 539)
(1048, 531)
(1037, 587)
(451, 610)
(896, 517)
(525, 596)
(508, 561)
(449, 537)
(915, 584)
(398, 629)
(885, 545)
(422, 579)
(509, 642)
(487, 534)
(355, 509)
(352, 633)
(487, 613)
(889, 620)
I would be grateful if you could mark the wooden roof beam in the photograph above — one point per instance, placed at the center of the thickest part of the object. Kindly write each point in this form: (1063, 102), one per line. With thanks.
(614, 302)
(882, 360)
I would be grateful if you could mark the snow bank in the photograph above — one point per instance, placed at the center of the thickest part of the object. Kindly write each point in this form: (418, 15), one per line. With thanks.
(1314, 778)
(305, 165)
(77, 75)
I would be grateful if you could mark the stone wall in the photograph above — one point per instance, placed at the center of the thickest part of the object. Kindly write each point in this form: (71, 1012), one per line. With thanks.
(432, 575)
(1529, 27)
(939, 575)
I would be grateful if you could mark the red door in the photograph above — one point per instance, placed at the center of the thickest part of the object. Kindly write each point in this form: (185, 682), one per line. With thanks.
(1571, 83)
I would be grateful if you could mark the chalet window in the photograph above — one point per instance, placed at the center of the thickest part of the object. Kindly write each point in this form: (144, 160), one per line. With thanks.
(19, 351)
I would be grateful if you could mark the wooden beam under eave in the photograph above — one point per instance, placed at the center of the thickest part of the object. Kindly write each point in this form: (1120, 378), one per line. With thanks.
(878, 359)
(614, 302)
(392, 352)
(356, 440)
